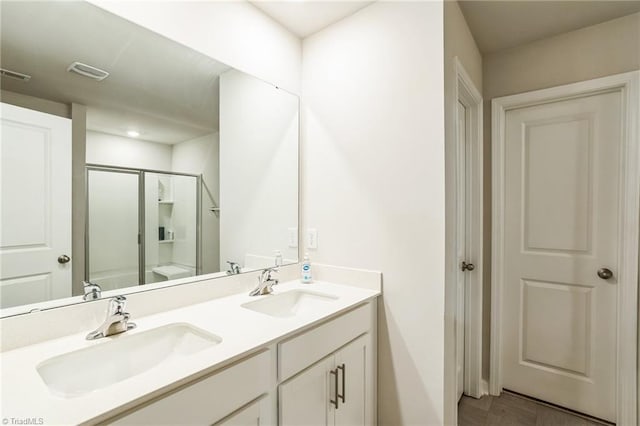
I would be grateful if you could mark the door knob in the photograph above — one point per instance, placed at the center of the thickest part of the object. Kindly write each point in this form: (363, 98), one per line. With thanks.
(64, 259)
(605, 273)
(467, 266)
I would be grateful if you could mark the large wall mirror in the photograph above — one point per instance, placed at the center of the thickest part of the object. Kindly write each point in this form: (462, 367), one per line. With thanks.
(130, 160)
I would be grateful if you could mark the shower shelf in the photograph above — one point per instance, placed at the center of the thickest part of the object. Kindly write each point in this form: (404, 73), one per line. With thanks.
(165, 241)
(165, 202)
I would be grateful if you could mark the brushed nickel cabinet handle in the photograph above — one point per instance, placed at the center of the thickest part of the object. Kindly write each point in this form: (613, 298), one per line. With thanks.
(343, 368)
(334, 373)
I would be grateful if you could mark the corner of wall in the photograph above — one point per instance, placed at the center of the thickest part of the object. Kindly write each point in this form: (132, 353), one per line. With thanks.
(78, 202)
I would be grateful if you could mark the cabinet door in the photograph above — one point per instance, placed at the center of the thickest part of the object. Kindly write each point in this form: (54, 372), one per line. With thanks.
(304, 399)
(352, 363)
(249, 415)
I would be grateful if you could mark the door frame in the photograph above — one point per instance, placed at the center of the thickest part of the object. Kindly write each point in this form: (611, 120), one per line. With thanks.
(141, 216)
(627, 288)
(469, 96)
(142, 225)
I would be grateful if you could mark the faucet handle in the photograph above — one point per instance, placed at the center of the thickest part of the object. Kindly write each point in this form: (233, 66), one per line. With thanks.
(117, 304)
(266, 274)
(92, 291)
(234, 268)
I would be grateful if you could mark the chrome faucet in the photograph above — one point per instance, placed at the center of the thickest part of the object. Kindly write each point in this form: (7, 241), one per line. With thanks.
(91, 291)
(234, 268)
(265, 282)
(117, 320)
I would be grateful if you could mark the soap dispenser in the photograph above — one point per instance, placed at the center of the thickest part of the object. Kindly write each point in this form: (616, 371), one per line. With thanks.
(306, 269)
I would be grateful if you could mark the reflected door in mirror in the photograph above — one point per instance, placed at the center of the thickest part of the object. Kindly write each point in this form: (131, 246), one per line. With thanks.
(35, 164)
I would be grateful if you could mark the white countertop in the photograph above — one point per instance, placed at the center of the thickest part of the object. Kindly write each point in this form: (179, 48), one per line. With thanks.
(25, 395)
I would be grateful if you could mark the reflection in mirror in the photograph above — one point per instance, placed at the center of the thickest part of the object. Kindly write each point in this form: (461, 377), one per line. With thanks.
(144, 163)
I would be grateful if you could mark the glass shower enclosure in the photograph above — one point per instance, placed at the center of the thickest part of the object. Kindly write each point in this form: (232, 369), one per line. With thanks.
(143, 226)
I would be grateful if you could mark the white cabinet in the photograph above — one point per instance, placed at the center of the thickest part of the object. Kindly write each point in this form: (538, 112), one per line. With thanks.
(354, 373)
(250, 415)
(302, 350)
(325, 375)
(332, 391)
(207, 400)
(304, 399)
(328, 373)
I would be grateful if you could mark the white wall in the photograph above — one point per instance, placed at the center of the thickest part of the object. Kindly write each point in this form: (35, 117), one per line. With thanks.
(258, 168)
(105, 149)
(233, 32)
(374, 180)
(201, 156)
(458, 42)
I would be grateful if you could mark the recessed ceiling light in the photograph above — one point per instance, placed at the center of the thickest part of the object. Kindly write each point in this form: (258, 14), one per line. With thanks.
(133, 133)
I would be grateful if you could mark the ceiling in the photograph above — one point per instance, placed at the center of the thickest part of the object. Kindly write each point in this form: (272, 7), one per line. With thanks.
(498, 25)
(164, 90)
(304, 18)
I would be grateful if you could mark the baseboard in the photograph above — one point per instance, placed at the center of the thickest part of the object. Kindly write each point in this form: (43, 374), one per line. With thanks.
(484, 387)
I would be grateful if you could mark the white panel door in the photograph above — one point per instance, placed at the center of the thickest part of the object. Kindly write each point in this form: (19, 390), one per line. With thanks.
(35, 164)
(561, 227)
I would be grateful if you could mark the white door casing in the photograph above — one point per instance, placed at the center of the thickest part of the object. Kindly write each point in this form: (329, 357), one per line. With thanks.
(35, 162)
(461, 246)
(565, 195)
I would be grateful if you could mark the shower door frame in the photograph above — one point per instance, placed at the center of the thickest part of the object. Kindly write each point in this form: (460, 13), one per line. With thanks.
(142, 214)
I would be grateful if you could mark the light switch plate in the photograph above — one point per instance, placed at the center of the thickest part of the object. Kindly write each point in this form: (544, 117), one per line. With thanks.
(292, 237)
(312, 238)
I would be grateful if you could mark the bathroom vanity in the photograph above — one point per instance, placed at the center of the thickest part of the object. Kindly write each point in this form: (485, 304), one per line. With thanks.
(150, 230)
(304, 354)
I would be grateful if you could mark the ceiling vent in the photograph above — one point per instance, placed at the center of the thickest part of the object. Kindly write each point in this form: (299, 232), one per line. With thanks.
(14, 74)
(88, 71)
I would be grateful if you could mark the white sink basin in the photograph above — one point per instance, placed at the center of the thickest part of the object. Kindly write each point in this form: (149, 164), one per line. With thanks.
(86, 370)
(290, 303)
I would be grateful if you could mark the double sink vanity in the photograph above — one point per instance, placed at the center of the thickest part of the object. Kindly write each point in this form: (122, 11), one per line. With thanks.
(175, 336)
(304, 354)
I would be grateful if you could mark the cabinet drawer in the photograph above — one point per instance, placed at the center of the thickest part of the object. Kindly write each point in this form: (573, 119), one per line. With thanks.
(300, 351)
(210, 399)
